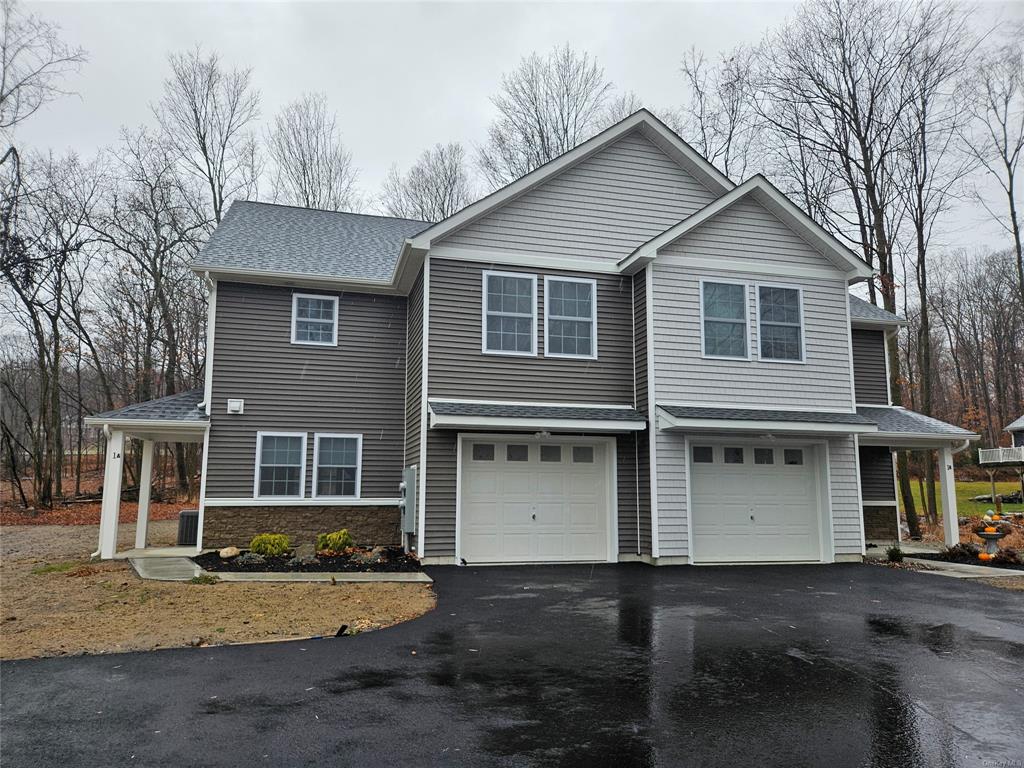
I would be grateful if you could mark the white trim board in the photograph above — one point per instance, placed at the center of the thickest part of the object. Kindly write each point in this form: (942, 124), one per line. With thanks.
(291, 501)
(531, 424)
(545, 404)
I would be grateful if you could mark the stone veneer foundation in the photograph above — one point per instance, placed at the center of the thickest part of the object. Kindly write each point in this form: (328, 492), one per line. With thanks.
(235, 526)
(880, 523)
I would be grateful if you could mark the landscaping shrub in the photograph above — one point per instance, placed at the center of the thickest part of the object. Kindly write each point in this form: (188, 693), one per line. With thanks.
(337, 541)
(250, 559)
(966, 549)
(204, 578)
(895, 554)
(269, 544)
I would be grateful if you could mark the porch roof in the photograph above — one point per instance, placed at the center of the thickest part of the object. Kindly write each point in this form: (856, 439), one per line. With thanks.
(900, 427)
(175, 418)
(757, 420)
(448, 414)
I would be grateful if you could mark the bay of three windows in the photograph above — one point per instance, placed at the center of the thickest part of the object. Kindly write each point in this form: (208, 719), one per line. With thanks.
(510, 315)
(725, 326)
(281, 465)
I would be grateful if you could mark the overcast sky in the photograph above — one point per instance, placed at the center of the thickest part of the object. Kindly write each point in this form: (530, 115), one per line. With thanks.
(401, 76)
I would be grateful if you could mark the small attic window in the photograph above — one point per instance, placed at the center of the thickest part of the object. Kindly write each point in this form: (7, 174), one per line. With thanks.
(314, 319)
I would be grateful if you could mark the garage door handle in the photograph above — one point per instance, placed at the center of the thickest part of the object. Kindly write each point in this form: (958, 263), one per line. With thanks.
(534, 516)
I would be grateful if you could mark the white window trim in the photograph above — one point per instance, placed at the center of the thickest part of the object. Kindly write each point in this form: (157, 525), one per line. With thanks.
(302, 469)
(800, 311)
(746, 317)
(316, 464)
(483, 315)
(548, 279)
(295, 305)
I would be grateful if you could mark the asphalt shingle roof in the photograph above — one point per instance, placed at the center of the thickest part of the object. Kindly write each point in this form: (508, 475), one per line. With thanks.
(1016, 426)
(865, 310)
(261, 237)
(902, 421)
(534, 411)
(753, 414)
(179, 407)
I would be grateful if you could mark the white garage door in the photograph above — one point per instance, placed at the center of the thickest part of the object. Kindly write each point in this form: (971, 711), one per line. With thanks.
(754, 503)
(524, 501)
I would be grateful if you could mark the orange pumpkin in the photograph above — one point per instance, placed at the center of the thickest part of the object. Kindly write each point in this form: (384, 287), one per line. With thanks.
(990, 529)
(997, 517)
(984, 556)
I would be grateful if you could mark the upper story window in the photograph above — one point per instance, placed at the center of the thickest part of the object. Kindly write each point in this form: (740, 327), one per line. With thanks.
(337, 465)
(314, 319)
(510, 313)
(280, 463)
(724, 320)
(780, 323)
(570, 317)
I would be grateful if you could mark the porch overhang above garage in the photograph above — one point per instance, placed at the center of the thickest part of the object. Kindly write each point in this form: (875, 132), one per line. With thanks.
(760, 421)
(534, 417)
(902, 428)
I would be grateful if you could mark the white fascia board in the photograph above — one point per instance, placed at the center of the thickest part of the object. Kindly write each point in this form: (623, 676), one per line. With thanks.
(652, 127)
(915, 439)
(872, 325)
(147, 424)
(285, 501)
(532, 425)
(778, 204)
(574, 404)
(668, 422)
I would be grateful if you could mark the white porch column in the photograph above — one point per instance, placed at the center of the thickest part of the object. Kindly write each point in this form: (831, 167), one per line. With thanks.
(145, 487)
(950, 515)
(111, 505)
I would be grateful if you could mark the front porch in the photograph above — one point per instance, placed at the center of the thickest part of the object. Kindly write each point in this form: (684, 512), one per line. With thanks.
(177, 418)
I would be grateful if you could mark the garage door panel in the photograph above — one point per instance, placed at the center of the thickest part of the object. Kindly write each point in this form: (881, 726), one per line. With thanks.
(534, 510)
(755, 512)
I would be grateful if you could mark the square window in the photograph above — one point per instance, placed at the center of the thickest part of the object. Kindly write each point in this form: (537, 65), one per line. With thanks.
(314, 319)
(703, 454)
(764, 456)
(510, 316)
(517, 453)
(732, 455)
(793, 456)
(583, 454)
(551, 453)
(483, 451)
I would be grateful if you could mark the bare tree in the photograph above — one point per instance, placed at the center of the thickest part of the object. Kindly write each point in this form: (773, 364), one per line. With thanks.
(547, 105)
(436, 186)
(312, 167)
(995, 95)
(34, 61)
(719, 119)
(207, 114)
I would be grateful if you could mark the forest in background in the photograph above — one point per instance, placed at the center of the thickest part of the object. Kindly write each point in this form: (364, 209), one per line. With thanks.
(875, 117)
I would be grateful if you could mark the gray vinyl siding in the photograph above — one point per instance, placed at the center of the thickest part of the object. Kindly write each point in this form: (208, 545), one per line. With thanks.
(626, 492)
(869, 367)
(442, 466)
(876, 478)
(844, 484)
(748, 242)
(356, 387)
(458, 368)
(414, 375)
(642, 445)
(603, 207)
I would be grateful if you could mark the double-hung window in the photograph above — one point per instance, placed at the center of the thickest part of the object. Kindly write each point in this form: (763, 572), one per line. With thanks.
(780, 321)
(570, 317)
(337, 464)
(280, 464)
(314, 319)
(510, 313)
(724, 320)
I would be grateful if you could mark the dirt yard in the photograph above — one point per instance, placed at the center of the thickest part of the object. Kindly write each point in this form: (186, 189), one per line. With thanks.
(1017, 585)
(54, 602)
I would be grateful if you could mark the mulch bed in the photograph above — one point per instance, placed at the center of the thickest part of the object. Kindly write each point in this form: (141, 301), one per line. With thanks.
(392, 560)
(967, 560)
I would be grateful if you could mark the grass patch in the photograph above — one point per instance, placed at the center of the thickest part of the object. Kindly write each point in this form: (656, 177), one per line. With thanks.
(62, 567)
(204, 578)
(964, 492)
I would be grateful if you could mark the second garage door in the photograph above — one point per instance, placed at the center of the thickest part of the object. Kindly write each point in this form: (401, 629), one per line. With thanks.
(755, 503)
(533, 501)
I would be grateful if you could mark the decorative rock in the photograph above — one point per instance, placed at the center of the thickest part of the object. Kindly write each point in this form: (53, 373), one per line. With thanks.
(228, 552)
(374, 556)
(250, 558)
(297, 562)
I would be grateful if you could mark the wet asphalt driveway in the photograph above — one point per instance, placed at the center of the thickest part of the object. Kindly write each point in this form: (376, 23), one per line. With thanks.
(573, 666)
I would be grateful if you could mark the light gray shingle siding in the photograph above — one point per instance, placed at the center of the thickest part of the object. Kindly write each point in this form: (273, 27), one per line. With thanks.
(260, 237)
(356, 387)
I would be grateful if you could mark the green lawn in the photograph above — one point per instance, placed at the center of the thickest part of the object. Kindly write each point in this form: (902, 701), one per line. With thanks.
(964, 492)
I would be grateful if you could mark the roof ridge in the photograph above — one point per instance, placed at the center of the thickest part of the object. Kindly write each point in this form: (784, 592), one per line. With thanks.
(328, 210)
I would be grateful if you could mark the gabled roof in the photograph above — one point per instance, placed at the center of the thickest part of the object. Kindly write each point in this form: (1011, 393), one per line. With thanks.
(1015, 426)
(865, 313)
(180, 407)
(642, 120)
(282, 241)
(776, 202)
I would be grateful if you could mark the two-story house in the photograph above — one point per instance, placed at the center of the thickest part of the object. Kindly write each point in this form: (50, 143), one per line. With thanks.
(623, 355)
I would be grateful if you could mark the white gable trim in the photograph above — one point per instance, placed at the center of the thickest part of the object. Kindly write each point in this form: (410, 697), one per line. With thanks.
(778, 204)
(642, 120)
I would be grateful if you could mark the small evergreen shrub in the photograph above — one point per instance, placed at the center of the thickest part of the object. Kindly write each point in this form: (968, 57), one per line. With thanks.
(250, 560)
(895, 554)
(337, 541)
(269, 544)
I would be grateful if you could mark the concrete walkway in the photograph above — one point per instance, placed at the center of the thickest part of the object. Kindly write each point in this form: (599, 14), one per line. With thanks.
(165, 568)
